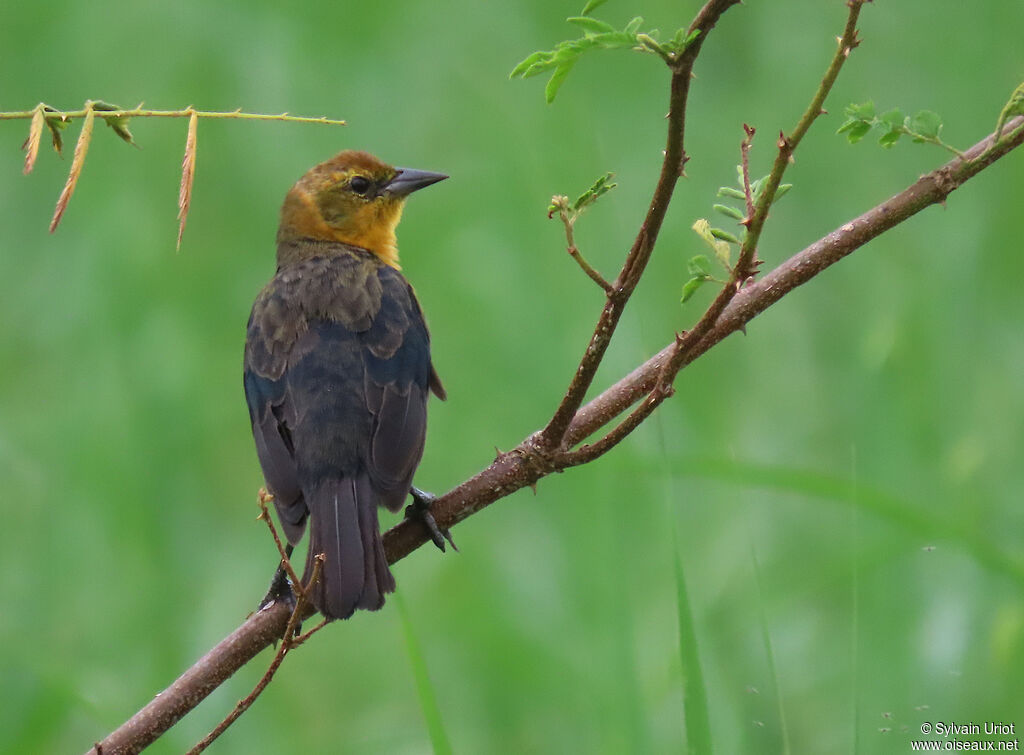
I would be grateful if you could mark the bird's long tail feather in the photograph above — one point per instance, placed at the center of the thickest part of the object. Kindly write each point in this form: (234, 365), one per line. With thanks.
(355, 571)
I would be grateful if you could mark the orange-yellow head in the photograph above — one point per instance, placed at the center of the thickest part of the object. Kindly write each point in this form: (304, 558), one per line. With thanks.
(353, 198)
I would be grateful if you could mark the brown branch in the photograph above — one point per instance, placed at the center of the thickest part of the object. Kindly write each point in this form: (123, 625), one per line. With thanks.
(746, 264)
(551, 437)
(285, 646)
(932, 188)
(561, 205)
(529, 462)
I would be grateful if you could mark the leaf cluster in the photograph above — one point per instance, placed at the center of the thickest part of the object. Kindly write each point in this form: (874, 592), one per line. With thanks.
(719, 240)
(572, 210)
(597, 35)
(923, 128)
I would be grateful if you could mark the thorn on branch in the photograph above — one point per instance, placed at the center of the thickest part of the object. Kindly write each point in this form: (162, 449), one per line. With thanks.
(748, 195)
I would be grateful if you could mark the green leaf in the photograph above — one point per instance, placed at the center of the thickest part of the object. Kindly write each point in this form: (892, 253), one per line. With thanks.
(591, 6)
(721, 248)
(529, 62)
(1013, 106)
(718, 233)
(781, 192)
(863, 112)
(699, 265)
(927, 124)
(634, 25)
(728, 191)
(591, 25)
(56, 124)
(600, 187)
(556, 80)
(613, 40)
(731, 212)
(848, 124)
(858, 131)
(690, 288)
(893, 119)
(889, 138)
(118, 123)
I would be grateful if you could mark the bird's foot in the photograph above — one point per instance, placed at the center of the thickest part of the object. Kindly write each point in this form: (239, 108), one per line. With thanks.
(420, 509)
(280, 590)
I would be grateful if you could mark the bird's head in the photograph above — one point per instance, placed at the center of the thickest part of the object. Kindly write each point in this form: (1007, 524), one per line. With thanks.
(352, 198)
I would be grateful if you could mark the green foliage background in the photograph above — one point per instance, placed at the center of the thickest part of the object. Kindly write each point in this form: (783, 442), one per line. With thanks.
(863, 442)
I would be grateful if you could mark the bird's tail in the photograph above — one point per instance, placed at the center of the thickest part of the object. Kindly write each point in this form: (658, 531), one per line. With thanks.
(344, 528)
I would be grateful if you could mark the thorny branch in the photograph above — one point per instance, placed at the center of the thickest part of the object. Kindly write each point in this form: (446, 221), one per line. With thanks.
(287, 644)
(552, 436)
(561, 205)
(552, 448)
(523, 466)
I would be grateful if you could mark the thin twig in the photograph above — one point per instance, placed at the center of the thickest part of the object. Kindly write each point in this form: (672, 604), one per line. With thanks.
(551, 437)
(574, 251)
(185, 113)
(305, 636)
(748, 140)
(518, 468)
(745, 264)
(263, 498)
(282, 650)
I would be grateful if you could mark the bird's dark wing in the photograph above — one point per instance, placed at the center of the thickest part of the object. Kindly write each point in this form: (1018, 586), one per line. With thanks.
(272, 417)
(398, 375)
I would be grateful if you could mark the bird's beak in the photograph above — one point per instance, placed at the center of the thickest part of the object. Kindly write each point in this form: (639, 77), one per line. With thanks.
(407, 180)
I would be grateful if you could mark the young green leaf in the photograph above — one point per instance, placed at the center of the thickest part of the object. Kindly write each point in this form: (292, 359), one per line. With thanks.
(591, 6)
(698, 266)
(889, 138)
(728, 191)
(1013, 106)
(862, 112)
(894, 119)
(591, 25)
(634, 25)
(690, 288)
(721, 248)
(56, 124)
(556, 80)
(718, 233)
(529, 62)
(119, 124)
(781, 192)
(855, 130)
(599, 188)
(728, 211)
(926, 124)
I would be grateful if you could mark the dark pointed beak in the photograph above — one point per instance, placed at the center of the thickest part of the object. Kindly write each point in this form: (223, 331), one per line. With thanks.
(407, 180)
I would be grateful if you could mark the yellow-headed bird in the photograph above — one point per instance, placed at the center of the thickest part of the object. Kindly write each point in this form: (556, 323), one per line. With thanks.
(337, 372)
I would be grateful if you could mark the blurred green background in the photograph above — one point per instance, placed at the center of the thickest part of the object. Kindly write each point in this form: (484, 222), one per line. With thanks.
(845, 480)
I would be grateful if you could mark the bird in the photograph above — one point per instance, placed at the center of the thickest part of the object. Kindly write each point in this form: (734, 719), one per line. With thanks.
(337, 371)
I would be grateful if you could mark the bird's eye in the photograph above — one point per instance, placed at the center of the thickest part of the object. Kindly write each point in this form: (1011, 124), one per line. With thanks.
(359, 184)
